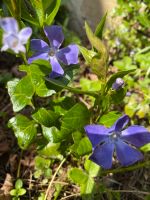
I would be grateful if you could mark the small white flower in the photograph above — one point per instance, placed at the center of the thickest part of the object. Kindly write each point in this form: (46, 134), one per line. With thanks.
(13, 38)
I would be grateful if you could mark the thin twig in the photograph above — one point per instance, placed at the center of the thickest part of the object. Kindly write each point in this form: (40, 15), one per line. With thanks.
(130, 191)
(69, 196)
(52, 180)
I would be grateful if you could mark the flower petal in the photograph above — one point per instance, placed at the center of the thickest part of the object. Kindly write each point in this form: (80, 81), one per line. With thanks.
(39, 45)
(96, 134)
(4, 47)
(24, 35)
(57, 70)
(55, 35)
(19, 48)
(37, 56)
(126, 154)
(68, 55)
(9, 24)
(136, 135)
(102, 155)
(120, 123)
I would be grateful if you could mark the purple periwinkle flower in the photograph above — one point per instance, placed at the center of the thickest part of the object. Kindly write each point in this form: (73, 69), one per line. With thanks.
(123, 142)
(119, 82)
(13, 38)
(52, 52)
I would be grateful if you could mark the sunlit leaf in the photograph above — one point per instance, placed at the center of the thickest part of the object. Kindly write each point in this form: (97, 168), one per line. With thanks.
(24, 129)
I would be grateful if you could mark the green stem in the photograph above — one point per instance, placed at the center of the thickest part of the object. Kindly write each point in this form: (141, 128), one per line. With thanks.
(78, 91)
(23, 56)
(125, 169)
(74, 90)
(19, 165)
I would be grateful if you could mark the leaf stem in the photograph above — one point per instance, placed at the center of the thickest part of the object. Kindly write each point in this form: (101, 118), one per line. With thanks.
(52, 180)
(19, 165)
(125, 169)
(78, 91)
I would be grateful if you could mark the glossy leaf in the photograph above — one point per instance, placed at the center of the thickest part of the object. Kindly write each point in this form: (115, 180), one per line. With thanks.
(24, 129)
(20, 92)
(45, 117)
(52, 134)
(75, 119)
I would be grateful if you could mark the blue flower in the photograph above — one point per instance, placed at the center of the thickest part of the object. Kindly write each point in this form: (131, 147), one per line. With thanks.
(123, 142)
(13, 38)
(119, 82)
(52, 52)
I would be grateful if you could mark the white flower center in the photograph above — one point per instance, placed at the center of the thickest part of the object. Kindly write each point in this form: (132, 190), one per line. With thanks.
(114, 135)
(51, 52)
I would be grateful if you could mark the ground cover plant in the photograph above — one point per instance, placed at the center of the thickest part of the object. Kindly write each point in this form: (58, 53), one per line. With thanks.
(72, 133)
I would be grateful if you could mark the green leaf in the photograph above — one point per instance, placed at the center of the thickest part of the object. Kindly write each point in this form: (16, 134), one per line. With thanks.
(25, 130)
(90, 85)
(43, 91)
(50, 150)
(38, 6)
(92, 168)
(45, 117)
(26, 15)
(42, 163)
(109, 119)
(84, 147)
(99, 61)
(21, 192)
(95, 41)
(87, 189)
(125, 64)
(120, 74)
(20, 92)
(143, 18)
(100, 27)
(87, 54)
(98, 66)
(52, 15)
(18, 184)
(118, 96)
(62, 82)
(14, 8)
(78, 176)
(13, 192)
(51, 134)
(75, 119)
(146, 147)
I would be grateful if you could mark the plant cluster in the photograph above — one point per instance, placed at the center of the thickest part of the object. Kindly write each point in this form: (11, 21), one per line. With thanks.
(128, 47)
